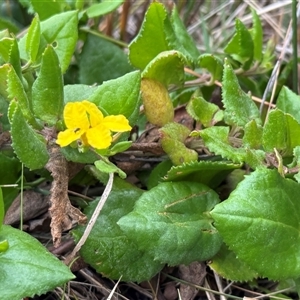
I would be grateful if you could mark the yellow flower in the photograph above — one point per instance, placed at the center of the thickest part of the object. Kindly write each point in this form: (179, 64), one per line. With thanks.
(86, 122)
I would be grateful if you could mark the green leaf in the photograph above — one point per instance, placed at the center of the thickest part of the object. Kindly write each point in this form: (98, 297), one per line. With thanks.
(211, 173)
(207, 113)
(27, 261)
(97, 66)
(120, 96)
(78, 92)
(217, 141)
(61, 32)
(120, 147)
(16, 91)
(226, 264)
(257, 36)
(158, 172)
(3, 80)
(213, 64)
(47, 8)
(10, 168)
(177, 151)
(33, 39)
(158, 105)
(167, 67)
(4, 245)
(171, 223)
(4, 122)
(151, 39)
(5, 46)
(296, 162)
(1, 208)
(253, 135)
(263, 213)
(7, 24)
(178, 38)
(255, 157)
(172, 137)
(105, 7)
(108, 167)
(10, 53)
(289, 102)
(72, 154)
(11, 109)
(239, 107)
(47, 90)
(241, 47)
(107, 248)
(282, 132)
(26, 141)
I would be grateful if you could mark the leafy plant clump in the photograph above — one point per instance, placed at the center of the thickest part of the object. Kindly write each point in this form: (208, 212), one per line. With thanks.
(225, 189)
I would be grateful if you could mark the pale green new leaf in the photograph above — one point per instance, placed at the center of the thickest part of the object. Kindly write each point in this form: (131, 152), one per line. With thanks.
(27, 261)
(207, 113)
(257, 36)
(282, 132)
(108, 167)
(171, 223)
(289, 102)
(239, 107)
(260, 223)
(4, 69)
(10, 53)
(26, 142)
(33, 39)
(217, 140)
(172, 137)
(47, 89)
(105, 7)
(213, 64)
(107, 248)
(241, 47)
(178, 38)
(17, 92)
(151, 39)
(252, 135)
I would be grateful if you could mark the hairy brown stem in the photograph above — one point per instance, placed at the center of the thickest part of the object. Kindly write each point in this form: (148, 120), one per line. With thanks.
(63, 214)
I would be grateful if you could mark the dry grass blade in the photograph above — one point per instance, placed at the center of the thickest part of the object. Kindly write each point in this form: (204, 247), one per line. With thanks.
(93, 219)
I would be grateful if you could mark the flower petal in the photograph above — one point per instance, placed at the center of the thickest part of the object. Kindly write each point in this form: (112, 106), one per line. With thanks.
(75, 116)
(94, 114)
(99, 137)
(65, 138)
(116, 123)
